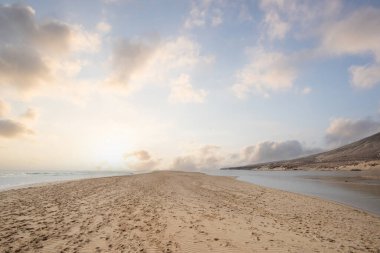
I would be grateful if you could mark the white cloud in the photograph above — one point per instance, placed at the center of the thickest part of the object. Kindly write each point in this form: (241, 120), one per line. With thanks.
(103, 27)
(32, 53)
(357, 33)
(180, 53)
(22, 68)
(141, 160)
(4, 108)
(296, 16)
(306, 90)
(267, 72)
(139, 63)
(275, 151)
(12, 129)
(182, 91)
(84, 41)
(217, 19)
(365, 76)
(204, 12)
(197, 14)
(276, 28)
(30, 114)
(212, 157)
(203, 158)
(141, 155)
(185, 163)
(343, 130)
(129, 58)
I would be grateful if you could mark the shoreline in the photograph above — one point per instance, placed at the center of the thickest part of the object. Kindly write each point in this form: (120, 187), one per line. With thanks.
(356, 195)
(177, 212)
(53, 183)
(305, 195)
(320, 199)
(61, 180)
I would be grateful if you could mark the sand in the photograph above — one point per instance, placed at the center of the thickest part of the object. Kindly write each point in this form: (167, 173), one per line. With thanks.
(178, 212)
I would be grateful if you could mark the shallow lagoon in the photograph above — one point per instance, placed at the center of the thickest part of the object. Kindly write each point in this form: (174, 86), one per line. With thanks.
(345, 187)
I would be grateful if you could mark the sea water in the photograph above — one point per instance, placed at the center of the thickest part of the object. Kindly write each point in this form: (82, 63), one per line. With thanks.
(345, 187)
(15, 179)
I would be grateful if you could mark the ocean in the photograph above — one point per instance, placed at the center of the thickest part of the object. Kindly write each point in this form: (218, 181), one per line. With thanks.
(15, 179)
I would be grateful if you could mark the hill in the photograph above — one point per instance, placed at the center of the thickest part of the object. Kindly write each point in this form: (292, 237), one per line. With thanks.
(360, 155)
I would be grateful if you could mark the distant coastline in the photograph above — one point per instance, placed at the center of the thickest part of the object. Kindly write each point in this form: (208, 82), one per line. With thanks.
(362, 155)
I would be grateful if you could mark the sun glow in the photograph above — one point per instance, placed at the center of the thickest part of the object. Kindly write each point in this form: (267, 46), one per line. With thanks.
(110, 152)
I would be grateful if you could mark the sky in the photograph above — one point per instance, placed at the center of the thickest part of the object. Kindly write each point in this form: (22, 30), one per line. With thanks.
(185, 85)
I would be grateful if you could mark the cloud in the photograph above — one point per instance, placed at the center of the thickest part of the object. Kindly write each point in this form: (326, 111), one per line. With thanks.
(32, 52)
(185, 163)
(141, 155)
(217, 18)
(22, 68)
(296, 16)
(4, 108)
(136, 63)
(267, 72)
(357, 33)
(103, 27)
(82, 40)
(275, 151)
(197, 14)
(212, 157)
(11, 129)
(205, 157)
(30, 114)
(54, 37)
(343, 130)
(204, 12)
(307, 90)
(183, 92)
(128, 59)
(276, 28)
(365, 76)
(141, 160)
(180, 53)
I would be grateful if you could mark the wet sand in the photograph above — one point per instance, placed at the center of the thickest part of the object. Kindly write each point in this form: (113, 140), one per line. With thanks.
(177, 212)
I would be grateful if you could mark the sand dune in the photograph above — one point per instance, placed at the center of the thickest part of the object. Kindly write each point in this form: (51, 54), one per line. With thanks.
(177, 212)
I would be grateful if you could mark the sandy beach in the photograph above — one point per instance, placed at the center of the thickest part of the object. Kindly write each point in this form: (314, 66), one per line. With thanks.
(178, 212)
